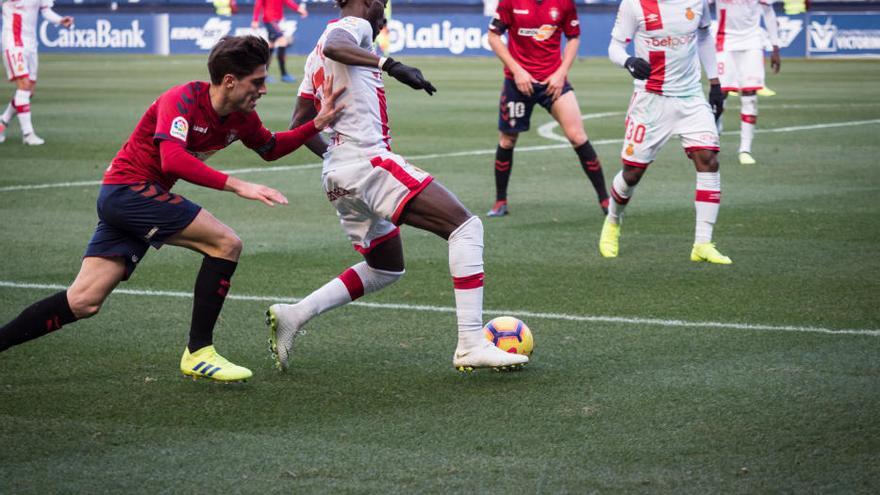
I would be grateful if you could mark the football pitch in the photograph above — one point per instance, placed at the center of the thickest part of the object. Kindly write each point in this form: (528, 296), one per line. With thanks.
(651, 373)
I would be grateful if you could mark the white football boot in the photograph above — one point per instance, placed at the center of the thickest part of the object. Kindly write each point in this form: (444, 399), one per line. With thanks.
(32, 139)
(284, 324)
(486, 355)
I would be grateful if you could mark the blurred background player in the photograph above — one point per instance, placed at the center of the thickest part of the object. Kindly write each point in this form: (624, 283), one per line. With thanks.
(20, 59)
(671, 40)
(740, 53)
(374, 191)
(383, 40)
(136, 208)
(535, 73)
(273, 14)
(226, 8)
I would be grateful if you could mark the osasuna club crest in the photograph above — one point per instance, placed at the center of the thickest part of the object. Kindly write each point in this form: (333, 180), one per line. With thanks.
(554, 13)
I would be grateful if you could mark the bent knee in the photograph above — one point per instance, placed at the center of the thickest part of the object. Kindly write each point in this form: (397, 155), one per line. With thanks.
(507, 141)
(228, 246)
(84, 305)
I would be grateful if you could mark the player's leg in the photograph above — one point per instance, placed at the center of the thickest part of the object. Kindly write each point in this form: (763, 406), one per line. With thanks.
(96, 280)
(382, 266)
(221, 248)
(514, 113)
(696, 130)
(281, 54)
(23, 100)
(567, 112)
(437, 210)
(647, 128)
(750, 64)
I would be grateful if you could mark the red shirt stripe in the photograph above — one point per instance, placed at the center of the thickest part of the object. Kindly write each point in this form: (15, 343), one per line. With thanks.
(651, 11)
(722, 25)
(654, 84)
(16, 29)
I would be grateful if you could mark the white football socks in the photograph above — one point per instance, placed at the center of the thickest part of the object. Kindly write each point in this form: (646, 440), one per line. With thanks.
(22, 103)
(466, 268)
(621, 192)
(749, 117)
(707, 202)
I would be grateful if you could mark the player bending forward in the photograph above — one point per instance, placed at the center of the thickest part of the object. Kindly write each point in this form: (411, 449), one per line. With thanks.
(375, 190)
(20, 58)
(136, 209)
(740, 46)
(671, 40)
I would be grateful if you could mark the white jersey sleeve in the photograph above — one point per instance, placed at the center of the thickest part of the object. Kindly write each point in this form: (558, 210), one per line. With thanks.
(47, 12)
(626, 23)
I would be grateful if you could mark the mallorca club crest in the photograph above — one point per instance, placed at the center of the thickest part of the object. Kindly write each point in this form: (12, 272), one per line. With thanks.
(554, 13)
(689, 14)
(629, 149)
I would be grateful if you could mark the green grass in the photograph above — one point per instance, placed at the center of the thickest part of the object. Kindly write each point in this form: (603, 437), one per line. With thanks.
(372, 403)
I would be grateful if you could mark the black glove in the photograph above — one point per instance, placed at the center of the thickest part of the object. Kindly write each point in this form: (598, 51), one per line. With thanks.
(410, 76)
(639, 68)
(716, 100)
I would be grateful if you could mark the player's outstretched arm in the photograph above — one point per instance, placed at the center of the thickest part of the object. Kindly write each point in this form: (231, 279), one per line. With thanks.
(257, 192)
(343, 48)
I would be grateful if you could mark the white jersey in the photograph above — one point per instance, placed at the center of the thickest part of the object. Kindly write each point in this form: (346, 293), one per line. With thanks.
(739, 24)
(364, 122)
(20, 21)
(665, 34)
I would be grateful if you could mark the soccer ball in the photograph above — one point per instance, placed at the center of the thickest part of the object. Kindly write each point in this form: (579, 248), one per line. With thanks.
(510, 335)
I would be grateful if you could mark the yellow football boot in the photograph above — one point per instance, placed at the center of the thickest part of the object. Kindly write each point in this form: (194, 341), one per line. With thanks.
(745, 158)
(706, 252)
(207, 363)
(765, 91)
(608, 239)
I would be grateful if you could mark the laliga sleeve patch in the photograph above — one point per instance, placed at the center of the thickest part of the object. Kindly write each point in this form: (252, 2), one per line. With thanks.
(179, 128)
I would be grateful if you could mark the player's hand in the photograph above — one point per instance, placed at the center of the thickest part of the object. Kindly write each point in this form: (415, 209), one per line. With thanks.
(639, 68)
(302, 10)
(716, 100)
(330, 111)
(523, 81)
(66, 21)
(410, 76)
(256, 192)
(775, 60)
(554, 84)
(255, 24)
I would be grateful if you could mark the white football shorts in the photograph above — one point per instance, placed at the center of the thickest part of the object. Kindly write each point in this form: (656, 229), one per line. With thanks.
(741, 70)
(20, 62)
(652, 119)
(370, 189)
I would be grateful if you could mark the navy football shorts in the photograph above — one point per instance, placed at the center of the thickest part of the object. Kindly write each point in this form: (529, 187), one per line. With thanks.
(273, 30)
(515, 110)
(133, 217)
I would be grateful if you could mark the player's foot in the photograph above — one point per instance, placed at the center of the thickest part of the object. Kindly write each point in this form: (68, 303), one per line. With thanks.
(284, 325)
(486, 355)
(207, 363)
(745, 158)
(608, 240)
(706, 252)
(32, 140)
(604, 205)
(765, 91)
(2, 131)
(499, 209)
(288, 78)
(733, 93)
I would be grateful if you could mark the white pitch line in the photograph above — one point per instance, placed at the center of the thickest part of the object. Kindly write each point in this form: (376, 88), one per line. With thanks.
(547, 133)
(520, 313)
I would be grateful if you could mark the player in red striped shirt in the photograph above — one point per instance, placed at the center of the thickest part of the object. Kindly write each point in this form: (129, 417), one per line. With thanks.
(535, 73)
(136, 208)
(273, 14)
(671, 41)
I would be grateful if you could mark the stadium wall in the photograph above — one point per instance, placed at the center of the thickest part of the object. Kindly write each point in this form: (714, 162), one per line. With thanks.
(814, 34)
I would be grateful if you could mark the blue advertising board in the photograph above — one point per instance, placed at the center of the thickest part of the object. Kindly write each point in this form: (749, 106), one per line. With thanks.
(820, 34)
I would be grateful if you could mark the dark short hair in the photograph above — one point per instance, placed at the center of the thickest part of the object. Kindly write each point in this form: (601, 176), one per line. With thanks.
(237, 55)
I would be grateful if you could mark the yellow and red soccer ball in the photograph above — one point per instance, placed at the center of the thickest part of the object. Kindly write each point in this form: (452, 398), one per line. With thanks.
(510, 335)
